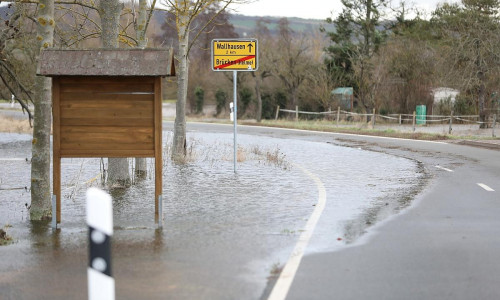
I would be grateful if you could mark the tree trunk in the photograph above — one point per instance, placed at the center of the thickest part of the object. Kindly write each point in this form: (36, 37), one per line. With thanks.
(141, 27)
(294, 97)
(481, 98)
(179, 142)
(40, 161)
(259, 97)
(141, 167)
(482, 86)
(109, 12)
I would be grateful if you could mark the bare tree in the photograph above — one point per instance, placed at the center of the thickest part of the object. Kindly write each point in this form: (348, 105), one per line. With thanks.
(10, 32)
(293, 62)
(141, 24)
(471, 31)
(185, 12)
(265, 62)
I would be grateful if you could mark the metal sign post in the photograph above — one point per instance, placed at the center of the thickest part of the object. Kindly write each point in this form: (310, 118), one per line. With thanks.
(235, 117)
(235, 55)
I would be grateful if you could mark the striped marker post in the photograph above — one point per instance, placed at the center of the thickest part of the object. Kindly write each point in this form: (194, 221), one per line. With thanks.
(101, 285)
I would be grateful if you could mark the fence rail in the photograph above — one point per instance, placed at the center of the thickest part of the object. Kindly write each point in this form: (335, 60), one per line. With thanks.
(400, 119)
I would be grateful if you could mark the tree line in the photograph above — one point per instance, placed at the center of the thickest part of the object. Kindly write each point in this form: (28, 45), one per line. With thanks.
(392, 56)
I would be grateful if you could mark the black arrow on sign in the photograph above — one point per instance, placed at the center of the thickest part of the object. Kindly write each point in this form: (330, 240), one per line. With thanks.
(250, 46)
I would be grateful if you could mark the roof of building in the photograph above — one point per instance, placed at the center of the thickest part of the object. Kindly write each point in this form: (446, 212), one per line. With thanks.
(106, 62)
(343, 91)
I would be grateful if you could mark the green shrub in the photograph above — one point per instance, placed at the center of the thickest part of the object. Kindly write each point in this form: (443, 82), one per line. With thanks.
(268, 106)
(220, 101)
(199, 95)
(245, 97)
(464, 105)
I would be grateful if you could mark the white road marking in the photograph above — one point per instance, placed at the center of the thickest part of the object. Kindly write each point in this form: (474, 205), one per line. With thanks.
(282, 286)
(12, 159)
(487, 188)
(443, 168)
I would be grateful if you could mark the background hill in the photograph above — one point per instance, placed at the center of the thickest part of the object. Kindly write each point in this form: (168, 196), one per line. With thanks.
(245, 25)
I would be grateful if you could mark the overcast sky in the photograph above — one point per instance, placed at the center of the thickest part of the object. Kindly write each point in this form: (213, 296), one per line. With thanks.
(309, 9)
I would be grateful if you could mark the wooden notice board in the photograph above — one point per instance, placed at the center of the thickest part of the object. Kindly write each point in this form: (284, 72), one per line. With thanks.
(110, 115)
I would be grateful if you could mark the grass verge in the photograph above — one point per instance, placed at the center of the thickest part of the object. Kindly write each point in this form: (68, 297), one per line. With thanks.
(327, 127)
(11, 125)
(356, 129)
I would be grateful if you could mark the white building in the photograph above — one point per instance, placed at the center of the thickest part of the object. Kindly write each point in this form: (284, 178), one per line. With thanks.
(442, 93)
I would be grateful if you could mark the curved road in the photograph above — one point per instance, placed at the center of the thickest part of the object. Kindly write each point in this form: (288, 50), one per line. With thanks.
(445, 246)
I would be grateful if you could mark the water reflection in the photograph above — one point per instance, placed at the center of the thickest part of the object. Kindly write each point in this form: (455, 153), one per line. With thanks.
(221, 229)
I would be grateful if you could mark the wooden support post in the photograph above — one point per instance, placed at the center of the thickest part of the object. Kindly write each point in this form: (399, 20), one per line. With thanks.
(158, 151)
(277, 112)
(296, 113)
(414, 116)
(399, 119)
(338, 115)
(451, 123)
(56, 156)
(373, 118)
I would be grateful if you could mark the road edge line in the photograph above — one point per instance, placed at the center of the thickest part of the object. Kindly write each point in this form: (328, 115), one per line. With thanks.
(284, 282)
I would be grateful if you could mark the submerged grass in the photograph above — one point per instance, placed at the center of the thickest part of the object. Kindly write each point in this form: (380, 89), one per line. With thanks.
(5, 239)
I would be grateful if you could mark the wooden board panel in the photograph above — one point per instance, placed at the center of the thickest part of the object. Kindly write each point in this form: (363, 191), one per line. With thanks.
(107, 135)
(88, 95)
(109, 111)
(107, 153)
(119, 122)
(107, 88)
(106, 79)
(107, 129)
(67, 146)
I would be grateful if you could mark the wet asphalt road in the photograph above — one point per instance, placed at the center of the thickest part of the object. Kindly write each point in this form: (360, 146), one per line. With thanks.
(445, 246)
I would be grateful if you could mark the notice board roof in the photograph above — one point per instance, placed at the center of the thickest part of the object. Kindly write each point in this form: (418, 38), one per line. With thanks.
(106, 62)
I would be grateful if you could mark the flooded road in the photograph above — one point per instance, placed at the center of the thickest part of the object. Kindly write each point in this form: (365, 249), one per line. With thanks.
(224, 233)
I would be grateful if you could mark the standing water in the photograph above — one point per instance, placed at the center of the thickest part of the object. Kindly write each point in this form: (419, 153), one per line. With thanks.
(224, 233)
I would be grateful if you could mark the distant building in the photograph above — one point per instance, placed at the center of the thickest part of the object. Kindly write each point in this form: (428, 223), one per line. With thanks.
(344, 96)
(443, 93)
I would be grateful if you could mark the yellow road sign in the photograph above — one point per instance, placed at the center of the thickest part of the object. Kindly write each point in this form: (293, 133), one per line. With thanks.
(234, 55)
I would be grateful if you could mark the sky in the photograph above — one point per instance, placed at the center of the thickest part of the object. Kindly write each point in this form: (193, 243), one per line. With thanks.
(309, 9)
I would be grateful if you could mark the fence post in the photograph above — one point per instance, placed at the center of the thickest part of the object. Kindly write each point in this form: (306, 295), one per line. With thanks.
(399, 119)
(494, 125)
(451, 123)
(373, 119)
(101, 284)
(338, 116)
(414, 115)
(277, 112)
(296, 112)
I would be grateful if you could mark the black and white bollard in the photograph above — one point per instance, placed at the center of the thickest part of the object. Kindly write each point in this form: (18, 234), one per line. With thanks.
(101, 285)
